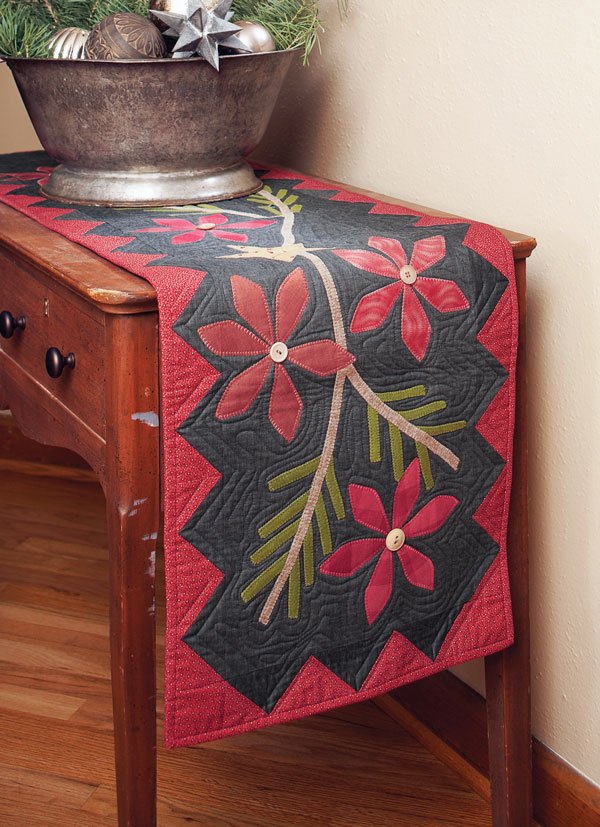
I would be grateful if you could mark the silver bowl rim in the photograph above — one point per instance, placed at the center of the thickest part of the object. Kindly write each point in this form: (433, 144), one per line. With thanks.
(145, 61)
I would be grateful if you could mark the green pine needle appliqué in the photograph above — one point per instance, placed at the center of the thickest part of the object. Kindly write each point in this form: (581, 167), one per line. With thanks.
(279, 531)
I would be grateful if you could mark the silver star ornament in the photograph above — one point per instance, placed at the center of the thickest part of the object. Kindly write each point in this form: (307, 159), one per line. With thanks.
(200, 31)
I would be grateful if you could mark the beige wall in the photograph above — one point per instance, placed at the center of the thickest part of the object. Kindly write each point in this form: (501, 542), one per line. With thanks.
(489, 110)
(492, 110)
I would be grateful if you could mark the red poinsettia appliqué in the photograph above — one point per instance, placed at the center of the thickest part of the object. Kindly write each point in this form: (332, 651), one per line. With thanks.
(392, 538)
(322, 357)
(217, 225)
(374, 308)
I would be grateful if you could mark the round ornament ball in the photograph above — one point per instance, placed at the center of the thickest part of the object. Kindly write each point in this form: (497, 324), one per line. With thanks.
(254, 36)
(180, 7)
(125, 36)
(69, 44)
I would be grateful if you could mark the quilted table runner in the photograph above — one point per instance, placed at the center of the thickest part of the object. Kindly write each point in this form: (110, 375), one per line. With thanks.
(338, 383)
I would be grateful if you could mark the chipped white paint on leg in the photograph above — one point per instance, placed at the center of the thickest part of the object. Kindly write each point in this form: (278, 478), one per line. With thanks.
(153, 536)
(152, 563)
(139, 502)
(147, 417)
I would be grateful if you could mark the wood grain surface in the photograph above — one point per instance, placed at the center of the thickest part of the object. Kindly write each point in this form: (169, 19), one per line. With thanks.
(351, 767)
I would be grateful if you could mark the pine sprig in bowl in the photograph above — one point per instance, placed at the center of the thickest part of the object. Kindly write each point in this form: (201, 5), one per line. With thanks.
(293, 24)
(26, 26)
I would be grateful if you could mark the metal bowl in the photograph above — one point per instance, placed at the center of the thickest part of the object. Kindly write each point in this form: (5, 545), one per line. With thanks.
(150, 132)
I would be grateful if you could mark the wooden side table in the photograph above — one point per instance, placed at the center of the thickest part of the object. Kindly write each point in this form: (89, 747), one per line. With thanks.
(103, 403)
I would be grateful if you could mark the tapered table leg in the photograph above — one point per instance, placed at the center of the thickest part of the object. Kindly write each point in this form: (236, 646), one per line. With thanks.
(132, 492)
(507, 674)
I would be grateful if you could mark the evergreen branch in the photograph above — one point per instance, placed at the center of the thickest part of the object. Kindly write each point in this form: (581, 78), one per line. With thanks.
(270, 202)
(24, 30)
(423, 410)
(293, 24)
(308, 557)
(314, 496)
(397, 451)
(287, 213)
(278, 530)
(294, 587)
(448, 428)
(405, 393)
(295, 474)
(374, 436)
(26, 26)
(323, 526)
(268, 548)
(254, 588)
(335, 494)
(395, 435)
(283, 517)
(425, 463)
(412, 431)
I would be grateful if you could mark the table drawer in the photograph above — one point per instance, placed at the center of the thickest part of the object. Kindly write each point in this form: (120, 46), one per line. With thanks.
(55, 319)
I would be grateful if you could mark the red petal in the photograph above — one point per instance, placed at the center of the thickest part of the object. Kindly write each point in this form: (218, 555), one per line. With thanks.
(290, 304)
(322, 357)
(351, 557)
(225, 235)
(418, 569)
(427, 252)
(374, 308)
(231, 339)
(251, 303)
(407, 492)
(250, 225)
(443, 294)
(189, 238)
(175, 223)
(416, 329)
(379, 588)
(241, 392)
(391, 248)
(432, 516)
(371, 262)
(215, 218)
(285, 406)
(367, 508)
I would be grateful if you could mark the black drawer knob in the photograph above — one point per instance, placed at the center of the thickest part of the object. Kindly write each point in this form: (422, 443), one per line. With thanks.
(56, 362)
(8, 324)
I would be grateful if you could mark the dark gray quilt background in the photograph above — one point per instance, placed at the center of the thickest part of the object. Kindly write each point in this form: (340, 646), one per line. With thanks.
(261, 661)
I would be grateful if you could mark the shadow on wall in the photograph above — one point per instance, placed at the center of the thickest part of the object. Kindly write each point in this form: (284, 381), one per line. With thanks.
(299, 123)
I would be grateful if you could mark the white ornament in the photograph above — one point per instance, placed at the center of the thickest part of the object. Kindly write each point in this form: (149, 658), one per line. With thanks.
(255, 37)
(69, 44)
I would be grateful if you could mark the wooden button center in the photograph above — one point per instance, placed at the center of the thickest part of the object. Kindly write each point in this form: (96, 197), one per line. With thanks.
(395, 539)
(279, 352)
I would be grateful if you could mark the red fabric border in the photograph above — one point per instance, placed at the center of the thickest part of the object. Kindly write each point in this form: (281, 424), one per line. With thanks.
(199, 704)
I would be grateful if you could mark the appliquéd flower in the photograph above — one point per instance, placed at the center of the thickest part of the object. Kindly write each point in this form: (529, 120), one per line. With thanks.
(391, 540)
(374, 308)
(217, 225)
(322, 357)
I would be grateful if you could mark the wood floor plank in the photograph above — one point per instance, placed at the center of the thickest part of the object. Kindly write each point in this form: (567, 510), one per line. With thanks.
(21, 699)
(45, 788)
(353, 766)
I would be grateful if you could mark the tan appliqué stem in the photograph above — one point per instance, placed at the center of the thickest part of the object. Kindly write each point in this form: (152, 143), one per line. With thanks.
(294, 250)
(311, 503)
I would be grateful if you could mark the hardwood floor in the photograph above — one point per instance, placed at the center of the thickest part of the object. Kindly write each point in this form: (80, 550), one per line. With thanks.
(352, 767)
